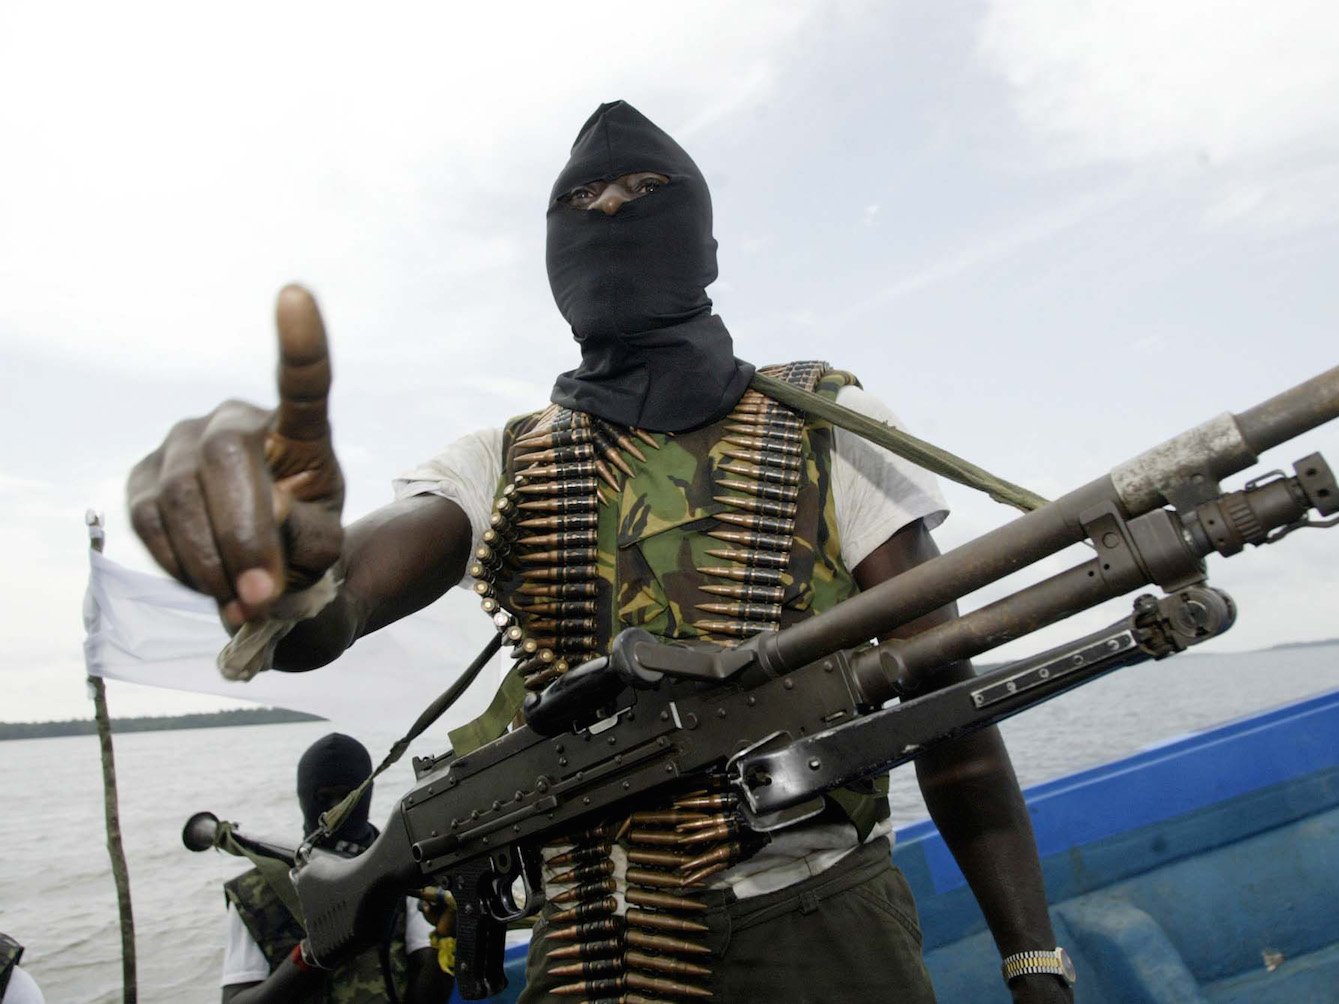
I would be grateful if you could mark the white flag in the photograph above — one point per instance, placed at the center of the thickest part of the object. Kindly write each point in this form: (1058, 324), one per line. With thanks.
(149, 629)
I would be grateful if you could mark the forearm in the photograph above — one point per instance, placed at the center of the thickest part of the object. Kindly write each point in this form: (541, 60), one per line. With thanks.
(973, 797)
(394, 561)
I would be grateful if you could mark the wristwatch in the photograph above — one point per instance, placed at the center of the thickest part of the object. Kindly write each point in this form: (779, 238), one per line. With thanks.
(1055, 962)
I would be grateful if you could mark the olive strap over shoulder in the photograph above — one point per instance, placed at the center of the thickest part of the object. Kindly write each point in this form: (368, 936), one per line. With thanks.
(918, 451)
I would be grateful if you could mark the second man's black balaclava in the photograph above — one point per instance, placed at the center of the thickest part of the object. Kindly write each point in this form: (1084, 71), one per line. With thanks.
(633, 284)
(335, 764)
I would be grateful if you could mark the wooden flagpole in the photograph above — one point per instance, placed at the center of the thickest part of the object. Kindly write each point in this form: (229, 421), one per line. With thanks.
(120, 874)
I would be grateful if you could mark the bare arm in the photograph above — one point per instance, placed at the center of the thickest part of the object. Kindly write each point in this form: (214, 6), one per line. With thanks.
(973, 796)
(394, 561)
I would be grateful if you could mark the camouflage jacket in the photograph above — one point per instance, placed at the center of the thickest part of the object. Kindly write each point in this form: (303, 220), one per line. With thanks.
(713, 534)
(275, 931)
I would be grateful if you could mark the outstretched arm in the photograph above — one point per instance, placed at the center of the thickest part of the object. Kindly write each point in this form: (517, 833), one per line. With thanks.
(244, 505)
(973, 797)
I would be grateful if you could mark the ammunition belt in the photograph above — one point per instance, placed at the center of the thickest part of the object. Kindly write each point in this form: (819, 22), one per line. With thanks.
(627, 925)
(765, 461)
(541, 548)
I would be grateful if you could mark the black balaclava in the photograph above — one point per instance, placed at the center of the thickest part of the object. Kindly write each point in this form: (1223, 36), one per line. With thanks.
(335, 765)
(633, 285)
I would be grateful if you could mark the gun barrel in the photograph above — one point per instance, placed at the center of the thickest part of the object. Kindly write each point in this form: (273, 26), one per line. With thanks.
(1286, 416)
(199, 832)
(1220, 447)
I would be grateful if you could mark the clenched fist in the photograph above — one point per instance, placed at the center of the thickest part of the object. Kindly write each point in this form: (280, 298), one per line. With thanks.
(243, 503)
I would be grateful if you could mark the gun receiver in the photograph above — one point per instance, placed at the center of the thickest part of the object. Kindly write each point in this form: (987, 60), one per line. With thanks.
(791, 714)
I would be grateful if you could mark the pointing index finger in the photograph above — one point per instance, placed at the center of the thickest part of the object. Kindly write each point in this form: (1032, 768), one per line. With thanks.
(304, 367)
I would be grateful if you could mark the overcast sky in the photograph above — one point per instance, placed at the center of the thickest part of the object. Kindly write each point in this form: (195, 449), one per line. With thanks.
(1049, 235)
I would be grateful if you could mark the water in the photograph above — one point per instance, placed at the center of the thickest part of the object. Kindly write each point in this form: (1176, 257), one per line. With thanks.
(56, 893)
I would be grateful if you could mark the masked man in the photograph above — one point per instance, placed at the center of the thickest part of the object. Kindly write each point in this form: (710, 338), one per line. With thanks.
(656, 491)
(261, 961)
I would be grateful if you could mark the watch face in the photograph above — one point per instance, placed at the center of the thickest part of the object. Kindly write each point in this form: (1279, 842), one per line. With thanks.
(1066, 964)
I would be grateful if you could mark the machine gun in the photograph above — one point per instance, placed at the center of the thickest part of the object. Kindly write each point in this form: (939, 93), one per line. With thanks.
(794, 713)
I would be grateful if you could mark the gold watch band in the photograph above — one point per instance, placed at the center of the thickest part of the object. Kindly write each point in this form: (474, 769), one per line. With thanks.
(1053, 962)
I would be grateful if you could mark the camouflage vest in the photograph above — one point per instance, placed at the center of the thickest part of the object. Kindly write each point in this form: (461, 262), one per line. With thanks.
(275, 931)
(10, 953)
(713, 534)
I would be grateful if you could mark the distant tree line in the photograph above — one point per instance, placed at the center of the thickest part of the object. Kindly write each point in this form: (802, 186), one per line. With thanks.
(158, 723)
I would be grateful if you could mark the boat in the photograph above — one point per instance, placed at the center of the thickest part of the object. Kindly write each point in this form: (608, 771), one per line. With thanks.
(1204, 870)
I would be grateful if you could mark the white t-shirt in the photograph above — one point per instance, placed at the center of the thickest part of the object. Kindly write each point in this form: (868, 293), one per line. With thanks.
(22, 989)
(244, 962)
(875, 493)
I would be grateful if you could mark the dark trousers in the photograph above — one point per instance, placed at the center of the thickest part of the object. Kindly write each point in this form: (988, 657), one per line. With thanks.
(848, 935)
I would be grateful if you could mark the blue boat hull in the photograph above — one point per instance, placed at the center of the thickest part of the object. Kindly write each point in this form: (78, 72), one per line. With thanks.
(1203, 871)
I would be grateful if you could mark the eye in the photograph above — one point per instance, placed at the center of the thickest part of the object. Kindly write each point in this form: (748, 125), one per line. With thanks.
(646, 185)
(579, 196)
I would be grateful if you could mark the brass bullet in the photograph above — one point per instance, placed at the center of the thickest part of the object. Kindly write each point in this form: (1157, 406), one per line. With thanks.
(753, 521)
(566, 625)
(603, 472)
(718, 832)
(657, 921)
(581, 855)
(546, 439)
(754, 559)
(560, 538)
(757, 443)
(734, 629)
(748, 462)
(763, 576)
(654, 879)
(751, 538)
(704, 822)
(567, 573)
(559, 591)
(768, 475)
(559, 473)
(589, 967)
(789, 432)
(558, 456)
(655, 858)
(526, 648)
(592, 931)
(585, 911)
(656, 838)
(721, 800)
(664, 943)
(665, 987)
(562, 504)
(706, 873)
(646, 438)
(562, 557)
(781, 510)
(584, 873)
(587, 949)
(568, 523)
(756, 594)
(775, 493)
(560, 608)
(606, 440)
(501, 524)
(664, 901)
(745, 611)
(725, 853)
(583, 892)
(495, 539)
(567, 486)
(590, 988)
(664, 964)
(626, 444)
